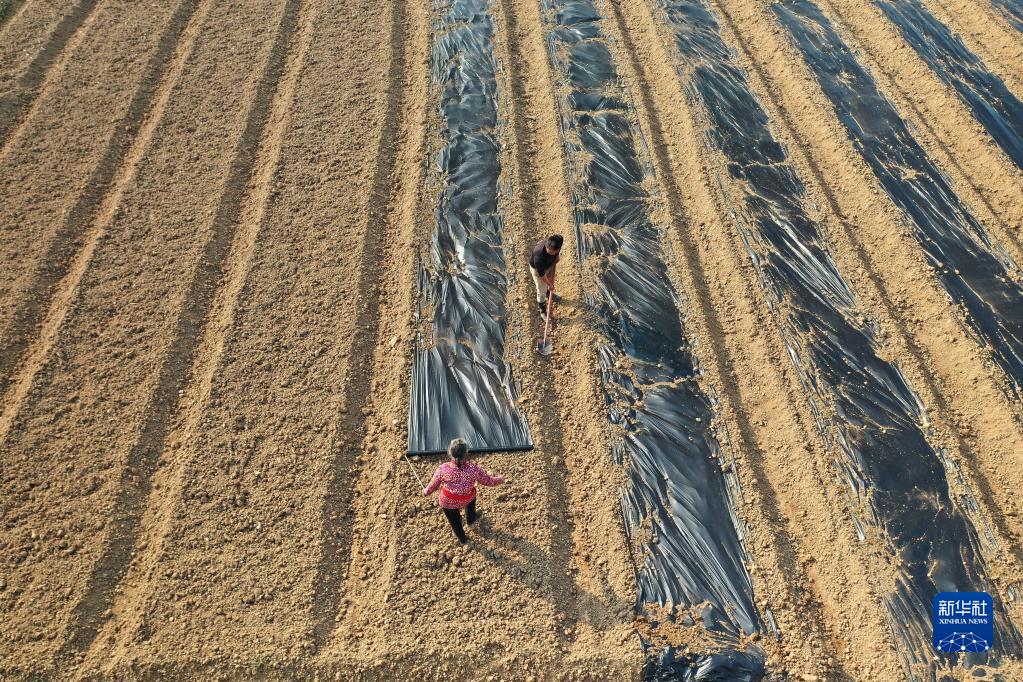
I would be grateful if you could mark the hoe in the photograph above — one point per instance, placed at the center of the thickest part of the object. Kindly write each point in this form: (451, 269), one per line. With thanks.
(545, 345)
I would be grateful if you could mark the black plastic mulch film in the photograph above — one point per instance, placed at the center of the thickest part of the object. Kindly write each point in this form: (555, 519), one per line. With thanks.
(1012, 10)
(978, 275)
(677, 504)
(992, 104)
(461, 384)
(895, 475)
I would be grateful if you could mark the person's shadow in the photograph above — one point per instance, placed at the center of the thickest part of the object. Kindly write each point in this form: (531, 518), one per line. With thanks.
(550, 580)
(576, 313)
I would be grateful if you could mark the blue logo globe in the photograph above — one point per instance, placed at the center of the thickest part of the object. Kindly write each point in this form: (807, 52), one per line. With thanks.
(963, 641)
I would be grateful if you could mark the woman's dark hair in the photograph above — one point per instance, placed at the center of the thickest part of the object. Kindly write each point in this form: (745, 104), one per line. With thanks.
(458, 451)
(555, 241)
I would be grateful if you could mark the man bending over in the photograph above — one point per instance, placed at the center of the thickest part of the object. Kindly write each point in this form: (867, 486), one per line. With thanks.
(543, 264)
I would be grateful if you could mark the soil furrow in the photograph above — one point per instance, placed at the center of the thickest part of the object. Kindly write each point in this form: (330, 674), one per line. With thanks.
(160, 515)
(175, 368)
(9, 9)
(212, 221)
(970, 415)
(978, 454)
(793, 481)
(238, 542)
(581, 529)
(1012, 11)
(127, 331)
(867, 408)
(785, 551)
(521, 223)
(948, 233)
(24, 28)
(993, 105)
(42, 277)
(337, 514)
(649, 374)
(404, 558)
(588, 535)
(18, 102)
(369, 483)
(978, 169)
(36, 321)
(986, 33)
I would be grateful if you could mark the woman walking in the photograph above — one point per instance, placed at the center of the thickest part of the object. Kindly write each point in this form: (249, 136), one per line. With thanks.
(457, 481)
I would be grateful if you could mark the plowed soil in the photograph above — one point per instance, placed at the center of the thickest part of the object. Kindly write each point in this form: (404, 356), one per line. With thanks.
(210, 219)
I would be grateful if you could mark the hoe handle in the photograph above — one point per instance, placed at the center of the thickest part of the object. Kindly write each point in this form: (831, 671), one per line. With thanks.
(550, 304)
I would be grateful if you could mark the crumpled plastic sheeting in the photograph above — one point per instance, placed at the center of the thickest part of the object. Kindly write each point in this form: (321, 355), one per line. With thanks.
(677, 504)
(997, 109)
(724, 666)
(894, 473)
(973, 271)
(461, 384)
(1012, 10)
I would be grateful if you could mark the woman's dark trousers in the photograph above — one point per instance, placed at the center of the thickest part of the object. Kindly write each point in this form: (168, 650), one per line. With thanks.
(455, 519)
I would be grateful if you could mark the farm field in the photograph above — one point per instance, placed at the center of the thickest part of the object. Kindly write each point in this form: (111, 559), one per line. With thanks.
(253, 252)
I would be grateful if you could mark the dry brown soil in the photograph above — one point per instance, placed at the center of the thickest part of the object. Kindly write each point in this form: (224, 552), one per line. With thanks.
(210, 215)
